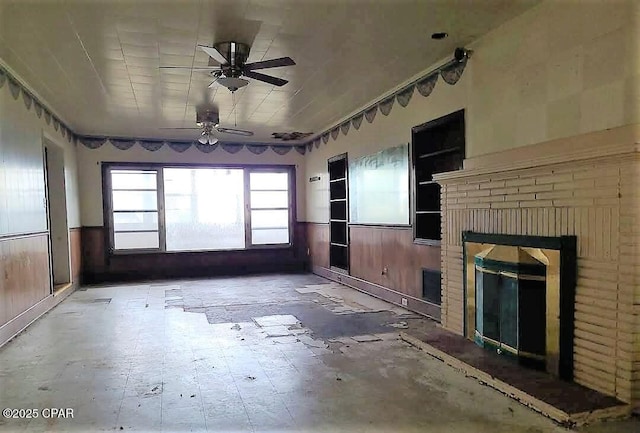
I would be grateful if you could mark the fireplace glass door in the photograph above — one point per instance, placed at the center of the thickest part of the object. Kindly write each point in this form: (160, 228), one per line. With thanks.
(511, 307)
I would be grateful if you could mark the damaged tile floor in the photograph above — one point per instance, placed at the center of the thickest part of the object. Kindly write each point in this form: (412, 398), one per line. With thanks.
(287, 353)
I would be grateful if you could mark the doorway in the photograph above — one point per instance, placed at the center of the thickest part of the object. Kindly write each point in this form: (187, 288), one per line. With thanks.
(60, 254)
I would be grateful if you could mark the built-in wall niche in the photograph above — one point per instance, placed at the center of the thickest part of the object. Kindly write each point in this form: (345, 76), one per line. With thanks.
(338, 213)
(437, 147)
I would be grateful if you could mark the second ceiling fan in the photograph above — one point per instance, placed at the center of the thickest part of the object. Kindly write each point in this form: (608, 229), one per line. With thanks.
(208, 121)
(231, 57)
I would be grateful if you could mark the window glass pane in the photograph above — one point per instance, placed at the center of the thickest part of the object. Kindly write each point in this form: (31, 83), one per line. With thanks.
(204, 209)
(269, 199)
(135, 200)
(175, 179)
(269, 219)
(133, 179)
(177, 207)
(133, 221)
(133, 240)
(270, 236)
(259, 180)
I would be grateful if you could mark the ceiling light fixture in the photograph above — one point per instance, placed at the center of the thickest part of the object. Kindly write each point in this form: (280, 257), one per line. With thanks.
(231, 83)
(208, 139)
(207, 136)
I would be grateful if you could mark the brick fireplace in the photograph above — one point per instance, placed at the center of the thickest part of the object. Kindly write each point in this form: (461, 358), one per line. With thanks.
(584, 187)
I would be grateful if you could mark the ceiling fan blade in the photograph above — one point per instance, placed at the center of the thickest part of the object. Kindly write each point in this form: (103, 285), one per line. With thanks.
(213, 83)
(273, 63)
(266, 78)
(214, 54)
(192, 68)
(234, 131)
(177, 128)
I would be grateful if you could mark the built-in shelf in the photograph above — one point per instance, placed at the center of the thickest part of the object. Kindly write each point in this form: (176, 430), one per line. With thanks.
(438, 146)
(338, 213)
(436, 153)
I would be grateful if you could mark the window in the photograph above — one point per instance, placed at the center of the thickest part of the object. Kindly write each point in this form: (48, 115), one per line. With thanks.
(172, 209)
(438, 146)
(204, 208)
(134, 198)
(269, 208)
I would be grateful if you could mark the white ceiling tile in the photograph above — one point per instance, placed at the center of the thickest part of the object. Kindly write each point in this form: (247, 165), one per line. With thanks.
(140, 51)
(176, 60)
(98, 62)
(141, 61)
(132, 23)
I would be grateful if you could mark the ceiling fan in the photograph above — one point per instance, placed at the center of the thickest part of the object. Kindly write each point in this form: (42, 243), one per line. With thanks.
(231, 57)
(208, 122)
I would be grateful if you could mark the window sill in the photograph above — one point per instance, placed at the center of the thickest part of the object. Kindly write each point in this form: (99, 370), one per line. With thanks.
(233, 251)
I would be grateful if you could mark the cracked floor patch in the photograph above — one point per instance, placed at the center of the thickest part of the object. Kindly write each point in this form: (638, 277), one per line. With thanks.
(206, 364)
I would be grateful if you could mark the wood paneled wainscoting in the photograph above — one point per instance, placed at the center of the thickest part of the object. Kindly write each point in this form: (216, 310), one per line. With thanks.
(318, 238)
(24, 268)
(76, 255)
(25, 280)
(384, 262)
(99, 265)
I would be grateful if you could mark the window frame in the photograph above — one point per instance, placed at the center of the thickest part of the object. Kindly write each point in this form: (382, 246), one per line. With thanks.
(290, 204)
(107, 205)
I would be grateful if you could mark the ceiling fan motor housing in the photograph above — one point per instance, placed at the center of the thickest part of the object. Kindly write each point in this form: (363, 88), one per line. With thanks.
(207, 117)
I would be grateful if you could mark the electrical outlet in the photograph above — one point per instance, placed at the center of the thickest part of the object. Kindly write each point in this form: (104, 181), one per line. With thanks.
(404, 302)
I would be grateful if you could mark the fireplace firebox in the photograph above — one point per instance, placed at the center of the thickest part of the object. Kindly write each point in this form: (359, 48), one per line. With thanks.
(519, 293)
(510, 293)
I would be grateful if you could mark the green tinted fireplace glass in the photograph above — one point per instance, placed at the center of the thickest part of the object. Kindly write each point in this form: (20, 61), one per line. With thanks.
(491, 306)
(509, 311)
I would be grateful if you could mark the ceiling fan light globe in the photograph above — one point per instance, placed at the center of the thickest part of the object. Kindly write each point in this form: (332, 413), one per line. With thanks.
(203, 139)
(232, 83)
(212, 141)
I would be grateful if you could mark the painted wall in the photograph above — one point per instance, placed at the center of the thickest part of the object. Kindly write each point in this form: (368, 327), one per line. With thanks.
(561, 69)
(22, 192)
(90, 173)
(24, 254)
(384, 132)
(22, 189)
(22, 171)
(558, 70)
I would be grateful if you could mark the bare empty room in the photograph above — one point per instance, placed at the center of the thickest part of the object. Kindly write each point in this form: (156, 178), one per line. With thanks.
(320, 216)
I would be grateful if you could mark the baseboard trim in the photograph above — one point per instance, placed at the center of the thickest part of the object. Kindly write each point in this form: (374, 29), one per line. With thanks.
(15, 326)
(212, 271)
(419, 306)
(63, 288)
